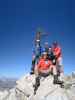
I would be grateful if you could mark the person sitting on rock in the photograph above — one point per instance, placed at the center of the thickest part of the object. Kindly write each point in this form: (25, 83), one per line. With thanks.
(43, 69)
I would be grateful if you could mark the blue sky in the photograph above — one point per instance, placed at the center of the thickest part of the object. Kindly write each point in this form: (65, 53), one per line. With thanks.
(18, 21)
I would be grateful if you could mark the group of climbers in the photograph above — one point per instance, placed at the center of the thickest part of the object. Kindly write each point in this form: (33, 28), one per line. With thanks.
(46, 61)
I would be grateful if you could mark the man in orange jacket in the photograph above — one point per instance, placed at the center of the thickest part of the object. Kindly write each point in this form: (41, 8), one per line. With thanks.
(58, 54)
(43, 69)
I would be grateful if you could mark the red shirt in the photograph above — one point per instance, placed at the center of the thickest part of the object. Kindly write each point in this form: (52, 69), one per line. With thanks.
(44, 64)
(57, 52)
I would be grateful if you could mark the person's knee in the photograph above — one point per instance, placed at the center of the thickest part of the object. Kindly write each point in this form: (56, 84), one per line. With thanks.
(60, 61)
(54, 70)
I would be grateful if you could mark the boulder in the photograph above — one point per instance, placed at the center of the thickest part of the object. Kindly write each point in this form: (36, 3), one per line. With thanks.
(47, 90)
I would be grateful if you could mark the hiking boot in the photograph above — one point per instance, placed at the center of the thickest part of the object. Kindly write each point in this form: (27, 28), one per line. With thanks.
(31, 73)
(56, 81)
(37, 84)
(34, 92)
(35, 89)
(62, 85)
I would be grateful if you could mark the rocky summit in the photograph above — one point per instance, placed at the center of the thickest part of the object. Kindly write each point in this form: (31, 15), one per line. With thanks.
(47, 90)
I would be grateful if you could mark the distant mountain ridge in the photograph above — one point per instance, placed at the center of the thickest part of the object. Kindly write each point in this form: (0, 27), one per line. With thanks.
(7, 83)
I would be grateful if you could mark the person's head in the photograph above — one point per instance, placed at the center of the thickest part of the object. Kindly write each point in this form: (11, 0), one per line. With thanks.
(44, 55)
(50, 48)
(46, 45)
(55, 44)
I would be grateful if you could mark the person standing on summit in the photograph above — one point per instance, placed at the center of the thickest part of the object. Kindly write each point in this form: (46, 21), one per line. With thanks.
(58, 54)
(46, 47)
(36, 52)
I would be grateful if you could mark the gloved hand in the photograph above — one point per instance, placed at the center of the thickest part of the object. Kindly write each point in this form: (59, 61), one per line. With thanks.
(54, 61)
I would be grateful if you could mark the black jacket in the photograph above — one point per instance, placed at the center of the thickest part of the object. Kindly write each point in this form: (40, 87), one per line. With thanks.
(52, 57)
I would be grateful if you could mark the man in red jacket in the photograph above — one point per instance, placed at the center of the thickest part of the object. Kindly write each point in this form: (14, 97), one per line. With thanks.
(43, 69)
(58, 54)
(45, 65)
